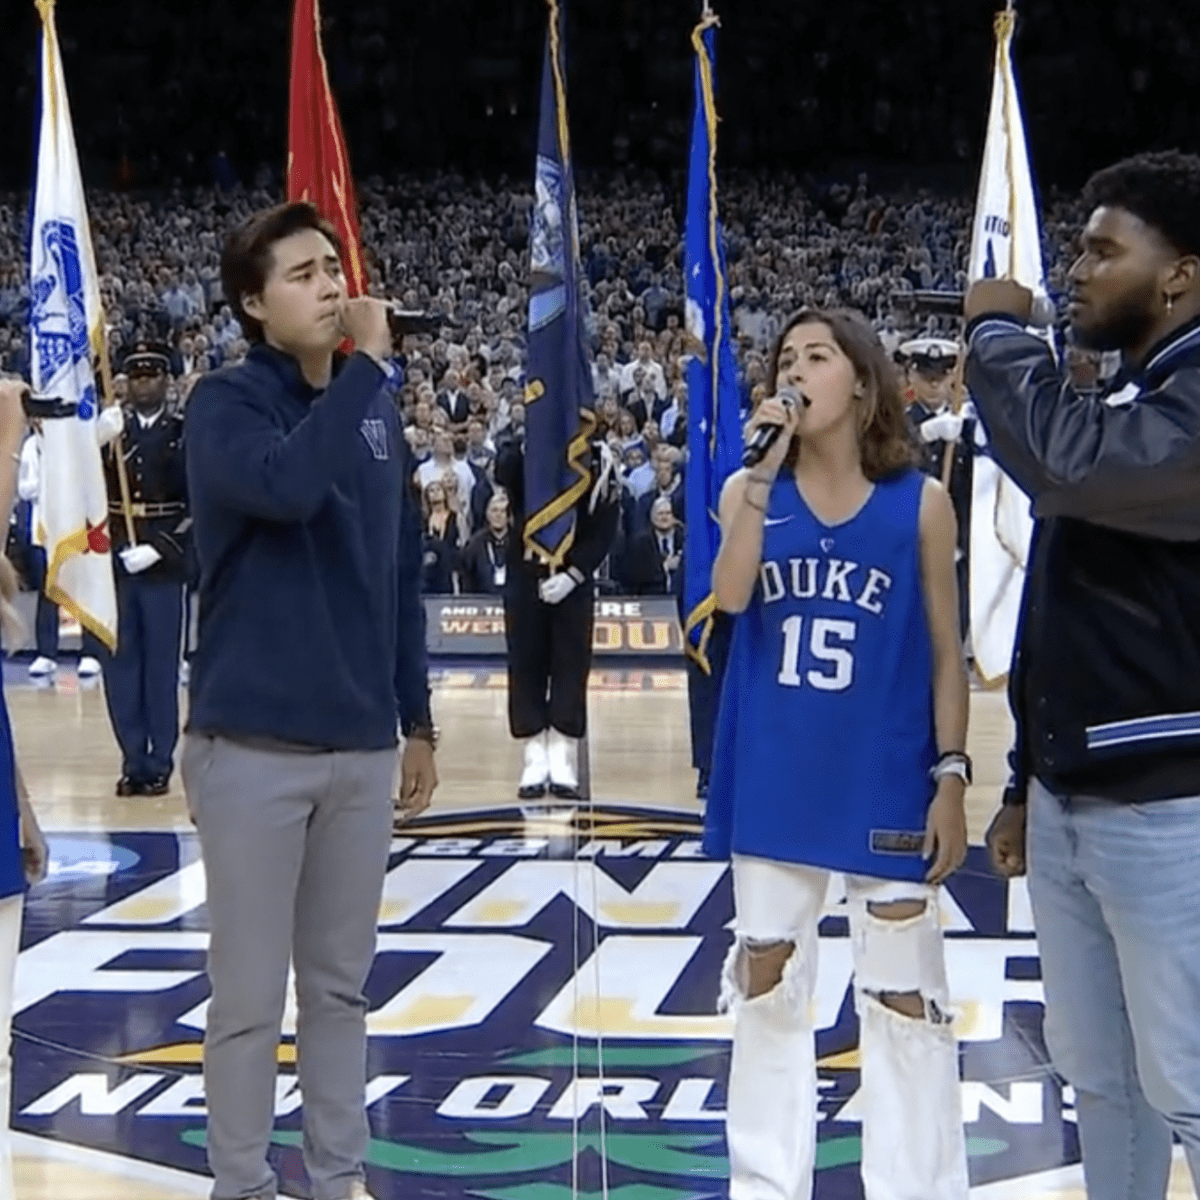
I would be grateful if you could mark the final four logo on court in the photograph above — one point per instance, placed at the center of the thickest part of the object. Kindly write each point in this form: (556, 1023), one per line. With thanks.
(546, 988)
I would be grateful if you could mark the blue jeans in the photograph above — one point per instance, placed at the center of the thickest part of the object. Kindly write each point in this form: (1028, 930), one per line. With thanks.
(1116, 901)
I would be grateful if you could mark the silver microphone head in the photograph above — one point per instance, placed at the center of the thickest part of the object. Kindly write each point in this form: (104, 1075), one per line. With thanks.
(790, 397)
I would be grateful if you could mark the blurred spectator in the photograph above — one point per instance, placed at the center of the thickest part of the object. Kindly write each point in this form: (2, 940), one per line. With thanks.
(639, 474)
(480, 451)
(605, 377)
(653, 558)
(652, 371)
(672, 424)
(667, 485)
(627, 432)
(441, 462)
(483, 561)
(439, 562)
(453, 400)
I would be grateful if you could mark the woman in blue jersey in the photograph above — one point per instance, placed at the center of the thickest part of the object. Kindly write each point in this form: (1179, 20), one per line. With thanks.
(23, 855)
(840, 747)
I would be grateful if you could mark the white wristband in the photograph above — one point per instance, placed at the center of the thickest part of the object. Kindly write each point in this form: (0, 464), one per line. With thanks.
(951, 766)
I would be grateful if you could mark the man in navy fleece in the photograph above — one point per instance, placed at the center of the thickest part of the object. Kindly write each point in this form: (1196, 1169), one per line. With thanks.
(311, 649)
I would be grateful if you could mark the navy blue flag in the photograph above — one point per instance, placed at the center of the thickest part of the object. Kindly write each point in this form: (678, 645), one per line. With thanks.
(559, 420)
(714, 420)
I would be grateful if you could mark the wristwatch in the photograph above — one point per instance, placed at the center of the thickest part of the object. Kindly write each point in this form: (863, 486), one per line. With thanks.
(424, 733)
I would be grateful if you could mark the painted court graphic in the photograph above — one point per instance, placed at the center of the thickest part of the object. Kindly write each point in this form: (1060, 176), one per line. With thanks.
(543, 1013)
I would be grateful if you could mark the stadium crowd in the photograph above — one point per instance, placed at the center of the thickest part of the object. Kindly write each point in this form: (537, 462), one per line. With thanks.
(458, 248)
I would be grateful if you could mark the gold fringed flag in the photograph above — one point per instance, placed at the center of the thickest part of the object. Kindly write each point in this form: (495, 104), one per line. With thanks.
(559, 419)
(66, 340)
(1006, 244)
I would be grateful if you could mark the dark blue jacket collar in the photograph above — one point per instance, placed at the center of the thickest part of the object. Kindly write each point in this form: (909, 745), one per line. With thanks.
(1163, 357)
(285, 367)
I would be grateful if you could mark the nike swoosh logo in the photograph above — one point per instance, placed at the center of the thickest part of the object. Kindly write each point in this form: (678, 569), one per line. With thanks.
(777, 521)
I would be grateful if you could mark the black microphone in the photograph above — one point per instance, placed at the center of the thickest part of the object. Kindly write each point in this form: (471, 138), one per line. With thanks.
(765, 436)
(406, 321)
(47, 408)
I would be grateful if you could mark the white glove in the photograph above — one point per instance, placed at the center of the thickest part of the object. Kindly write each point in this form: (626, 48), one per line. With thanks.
(608, 468)
(557, 588)
(137, 559)
(945, 427)
(110, 424)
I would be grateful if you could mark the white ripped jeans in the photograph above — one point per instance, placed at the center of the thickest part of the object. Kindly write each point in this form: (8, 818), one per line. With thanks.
(913, 1142)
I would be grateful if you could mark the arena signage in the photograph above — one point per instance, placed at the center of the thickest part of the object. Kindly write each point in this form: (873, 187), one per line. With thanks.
(474, 626)
(543, 1016)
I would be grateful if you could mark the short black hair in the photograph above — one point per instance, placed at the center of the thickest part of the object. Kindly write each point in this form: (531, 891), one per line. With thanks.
(246, 258)
(1162, 188)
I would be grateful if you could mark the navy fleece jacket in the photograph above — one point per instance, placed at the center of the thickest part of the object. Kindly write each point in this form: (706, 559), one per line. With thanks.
(311, 627)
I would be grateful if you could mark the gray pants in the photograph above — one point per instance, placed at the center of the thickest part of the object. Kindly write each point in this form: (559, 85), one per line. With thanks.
(295, 850)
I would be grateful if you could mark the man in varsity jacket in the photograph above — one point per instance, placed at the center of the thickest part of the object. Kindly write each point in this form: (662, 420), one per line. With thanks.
(1104, 802)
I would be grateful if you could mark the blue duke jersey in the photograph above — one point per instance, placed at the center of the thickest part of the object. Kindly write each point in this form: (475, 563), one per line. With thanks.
(825, 734)
(12, 870)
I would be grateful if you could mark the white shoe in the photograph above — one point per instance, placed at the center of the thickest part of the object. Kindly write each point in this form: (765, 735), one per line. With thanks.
(564, 777)
(89, 667)
(537, 769)
(42, 666)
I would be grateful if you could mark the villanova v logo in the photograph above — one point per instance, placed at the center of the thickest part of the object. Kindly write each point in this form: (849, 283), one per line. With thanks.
(374, 431)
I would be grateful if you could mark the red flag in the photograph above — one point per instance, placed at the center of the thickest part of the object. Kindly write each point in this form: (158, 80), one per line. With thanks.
(318, 165)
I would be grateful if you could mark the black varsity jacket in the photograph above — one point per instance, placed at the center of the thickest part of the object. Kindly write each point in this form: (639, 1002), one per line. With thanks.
(1105, 681)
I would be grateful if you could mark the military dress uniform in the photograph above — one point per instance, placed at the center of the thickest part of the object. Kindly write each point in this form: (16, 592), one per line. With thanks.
(550, 642)
(941, 354)
(141, 679)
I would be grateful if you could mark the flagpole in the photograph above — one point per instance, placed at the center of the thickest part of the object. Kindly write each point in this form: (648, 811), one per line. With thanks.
(118, 445)
(958, 385)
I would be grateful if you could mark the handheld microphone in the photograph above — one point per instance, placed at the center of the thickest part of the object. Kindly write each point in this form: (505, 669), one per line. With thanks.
(47, 408)
(405, 321)
(765, 436)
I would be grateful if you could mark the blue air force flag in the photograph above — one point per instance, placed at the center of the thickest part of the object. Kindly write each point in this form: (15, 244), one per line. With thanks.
(714, 424)
(558, 393)
(67, 334)
(1005, 244)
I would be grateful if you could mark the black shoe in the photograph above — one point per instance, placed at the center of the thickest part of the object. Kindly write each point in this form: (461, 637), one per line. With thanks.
(564, 791)
(158, 786)
(129, 787)
(533, 791)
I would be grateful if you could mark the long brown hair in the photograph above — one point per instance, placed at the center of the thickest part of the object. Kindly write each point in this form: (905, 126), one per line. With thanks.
(884, 435)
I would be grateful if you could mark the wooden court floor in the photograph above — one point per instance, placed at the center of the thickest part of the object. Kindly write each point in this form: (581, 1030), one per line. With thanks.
(639, 756)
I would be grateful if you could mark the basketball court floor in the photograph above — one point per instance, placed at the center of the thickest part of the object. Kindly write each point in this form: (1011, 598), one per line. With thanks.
(543, 1007)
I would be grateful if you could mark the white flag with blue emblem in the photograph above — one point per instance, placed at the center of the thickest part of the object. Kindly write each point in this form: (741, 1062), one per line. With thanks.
(1006, 244)
(66, 333)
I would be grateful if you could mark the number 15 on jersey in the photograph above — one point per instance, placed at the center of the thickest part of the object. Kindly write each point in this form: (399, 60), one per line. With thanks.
(832, 668)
